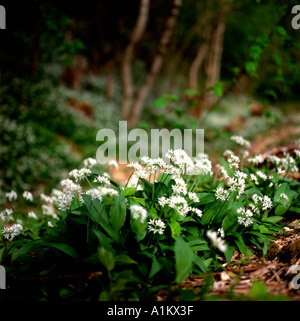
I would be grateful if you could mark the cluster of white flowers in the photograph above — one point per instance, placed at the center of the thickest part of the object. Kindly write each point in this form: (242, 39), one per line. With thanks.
(265, 201)
(153, 164)
(28, 196)
(156, 226)
(236, 184)
(6, 215)
(254, 178)
(258, 159)
(193, 196)
(179, 186)
(138, 169)
(297, 152)
(245, 217)
(12, 196)
(203, 166)
(233, 161)
(11, 232)
(284, 164)
(195, 210)
(176, 202)
(221, 194)
(102, 179)
(262, 175)
(94, 193)
(241, 141)
(80, 174)
(217, 241)
(228, 153)
(221, 232)
(179, 204)
(107, 191)
(31, 214)
(70, 189)
(138, 212)
(89, 162)
(181, 159)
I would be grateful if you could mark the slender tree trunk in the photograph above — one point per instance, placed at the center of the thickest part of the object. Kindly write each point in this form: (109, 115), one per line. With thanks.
(156, 64)
(198, 61)
(136, 35)
(215, 56)
(110, 82)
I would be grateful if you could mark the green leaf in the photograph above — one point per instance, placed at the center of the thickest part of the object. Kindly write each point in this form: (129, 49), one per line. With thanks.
(250, 66)
(117, 212)
(199, 263)
(295, 210)
(218, 89)
(175, 228)
(67, 249)
(107, 258)
(192, 92)
(206, 198)
(98, 214)
(128, 191)
(210, 211)
(160, 103)
(263, 229)
(124, 259)
(229, 252)
(183, 259)
(155, 268)
(283, 188)
(272, 219)
(281, 31)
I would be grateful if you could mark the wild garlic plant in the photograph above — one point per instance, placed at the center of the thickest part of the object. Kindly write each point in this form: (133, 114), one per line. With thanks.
(173, 216)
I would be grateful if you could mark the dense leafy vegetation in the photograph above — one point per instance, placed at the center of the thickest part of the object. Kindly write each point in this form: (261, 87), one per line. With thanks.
(162, 226)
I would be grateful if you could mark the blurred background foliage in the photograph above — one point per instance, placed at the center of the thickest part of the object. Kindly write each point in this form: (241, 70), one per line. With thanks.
(70, 69)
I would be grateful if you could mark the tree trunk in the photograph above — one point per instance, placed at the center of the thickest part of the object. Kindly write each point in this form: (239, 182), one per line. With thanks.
(215, 56)
(136, 35)
(156, 64)
(199, 59)
(110, 82)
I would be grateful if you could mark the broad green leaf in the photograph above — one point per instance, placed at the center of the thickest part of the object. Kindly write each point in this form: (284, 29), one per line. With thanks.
(67, 249)
(263, 229)
(273, 219)
(229, 252)
(98, 214)
(199, 263)
(124, 259)
(283, 188)
(183, 259)
(104, 240)
(128, 191)
(155, 268)
(206, 198)
(175, 228)
(117, 212)
(107, 258)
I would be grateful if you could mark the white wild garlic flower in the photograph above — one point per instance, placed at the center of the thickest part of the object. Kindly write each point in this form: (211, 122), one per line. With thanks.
(217, 241)
(28, 196)
(12, 196)
(156, 226)
(138, 213)
(241, 141)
